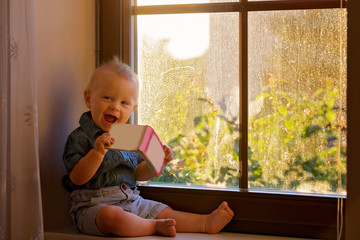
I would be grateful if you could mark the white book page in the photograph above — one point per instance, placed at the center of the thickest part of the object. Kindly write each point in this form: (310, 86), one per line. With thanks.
(127, 136)
(155, 153)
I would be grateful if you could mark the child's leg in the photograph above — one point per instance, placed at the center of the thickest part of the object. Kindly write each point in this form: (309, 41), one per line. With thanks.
(115, 220)
(190, 222)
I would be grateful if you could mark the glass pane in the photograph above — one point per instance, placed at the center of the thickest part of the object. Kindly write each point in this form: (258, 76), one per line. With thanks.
(188, 65)
(297, 81)
(169, 2)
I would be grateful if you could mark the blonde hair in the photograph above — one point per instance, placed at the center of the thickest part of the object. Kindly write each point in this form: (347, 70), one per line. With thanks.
(120, 68)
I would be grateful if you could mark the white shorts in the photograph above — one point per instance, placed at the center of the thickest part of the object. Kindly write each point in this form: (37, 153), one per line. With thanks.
(85, 205)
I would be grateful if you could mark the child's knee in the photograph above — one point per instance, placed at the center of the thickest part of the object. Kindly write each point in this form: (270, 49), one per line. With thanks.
(109, 217)
(165, 213)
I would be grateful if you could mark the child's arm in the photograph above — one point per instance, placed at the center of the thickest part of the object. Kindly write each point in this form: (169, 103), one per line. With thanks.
(87, 166)
(143, 171)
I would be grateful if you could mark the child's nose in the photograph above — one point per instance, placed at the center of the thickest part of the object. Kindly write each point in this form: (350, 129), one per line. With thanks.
(115, 106)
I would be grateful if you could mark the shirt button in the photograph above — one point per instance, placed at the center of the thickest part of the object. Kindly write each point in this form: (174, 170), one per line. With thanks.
(106, 162)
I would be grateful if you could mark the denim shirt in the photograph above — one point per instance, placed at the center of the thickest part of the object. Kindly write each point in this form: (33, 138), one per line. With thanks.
(117, 166)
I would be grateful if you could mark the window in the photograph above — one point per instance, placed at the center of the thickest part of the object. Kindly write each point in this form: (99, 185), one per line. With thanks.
(257, 68)
(189, 66)
(295, 99)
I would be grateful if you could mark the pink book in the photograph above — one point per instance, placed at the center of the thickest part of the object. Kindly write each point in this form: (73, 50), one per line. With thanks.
(142, 139)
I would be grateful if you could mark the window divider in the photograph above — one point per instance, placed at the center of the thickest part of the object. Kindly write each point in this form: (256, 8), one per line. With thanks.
(243, 134)
(237, 6)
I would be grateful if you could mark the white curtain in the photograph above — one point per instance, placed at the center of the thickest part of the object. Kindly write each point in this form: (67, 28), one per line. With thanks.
(20, 196)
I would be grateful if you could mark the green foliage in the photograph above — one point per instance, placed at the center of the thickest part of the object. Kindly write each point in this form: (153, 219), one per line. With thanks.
(293, 141)
(293, 144)
(169, 90)
(205, 149)
(206, 155)
(294, 138)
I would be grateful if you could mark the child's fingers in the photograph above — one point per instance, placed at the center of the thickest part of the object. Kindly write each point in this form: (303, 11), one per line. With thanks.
(168, 154)
(105, 140)
(109, 140)
(167, 149)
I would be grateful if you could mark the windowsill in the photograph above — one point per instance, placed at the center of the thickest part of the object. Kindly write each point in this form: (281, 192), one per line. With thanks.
(71, 235)
(291, 214)
(239, 190)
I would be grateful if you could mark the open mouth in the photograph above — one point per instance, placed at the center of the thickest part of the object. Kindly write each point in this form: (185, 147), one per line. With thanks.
(110, 118)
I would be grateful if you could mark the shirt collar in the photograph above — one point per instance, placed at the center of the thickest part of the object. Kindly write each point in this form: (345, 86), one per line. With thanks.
(89, 126)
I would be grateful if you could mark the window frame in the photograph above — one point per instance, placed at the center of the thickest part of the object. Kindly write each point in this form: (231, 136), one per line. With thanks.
(258, 212)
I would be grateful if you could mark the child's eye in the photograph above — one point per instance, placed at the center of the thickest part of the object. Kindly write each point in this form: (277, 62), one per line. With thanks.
(107, 97)
(125, 103)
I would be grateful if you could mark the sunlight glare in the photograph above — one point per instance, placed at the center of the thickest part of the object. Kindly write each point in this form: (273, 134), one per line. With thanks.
(188, 34)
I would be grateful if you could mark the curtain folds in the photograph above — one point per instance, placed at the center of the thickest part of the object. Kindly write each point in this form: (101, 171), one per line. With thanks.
(20, 194)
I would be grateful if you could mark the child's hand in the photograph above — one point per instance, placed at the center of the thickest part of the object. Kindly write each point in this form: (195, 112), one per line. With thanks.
(168, 154)
(103, 141)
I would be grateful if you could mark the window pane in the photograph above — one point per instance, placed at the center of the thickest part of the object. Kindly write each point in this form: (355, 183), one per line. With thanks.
(188, 65)
(296, 93)
(168, 2)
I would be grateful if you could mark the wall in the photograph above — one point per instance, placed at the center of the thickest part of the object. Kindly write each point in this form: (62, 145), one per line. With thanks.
(65, 44)
(353, 168)
(65, 36)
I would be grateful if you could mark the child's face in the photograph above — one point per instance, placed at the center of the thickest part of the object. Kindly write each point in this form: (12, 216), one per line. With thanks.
(111, 99)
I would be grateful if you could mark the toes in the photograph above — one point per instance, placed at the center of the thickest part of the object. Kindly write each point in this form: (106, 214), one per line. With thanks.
(171, 222)
(231, 213)
(224, 205)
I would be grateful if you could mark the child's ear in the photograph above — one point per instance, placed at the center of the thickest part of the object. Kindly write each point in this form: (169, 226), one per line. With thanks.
(87, 98)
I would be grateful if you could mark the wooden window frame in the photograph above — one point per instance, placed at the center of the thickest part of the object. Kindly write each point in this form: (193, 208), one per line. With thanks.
(258, 212)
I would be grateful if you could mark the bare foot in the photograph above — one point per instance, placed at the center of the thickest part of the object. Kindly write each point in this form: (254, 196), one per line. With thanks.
(218, 218)
(166, 227)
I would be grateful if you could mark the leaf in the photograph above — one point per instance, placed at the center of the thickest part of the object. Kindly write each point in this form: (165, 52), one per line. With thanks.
(283, 110)
(197, 120)
(290, 125)
(310, 130)
(295, 184)
(261, 96)
(298, 160)
(330, 116)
